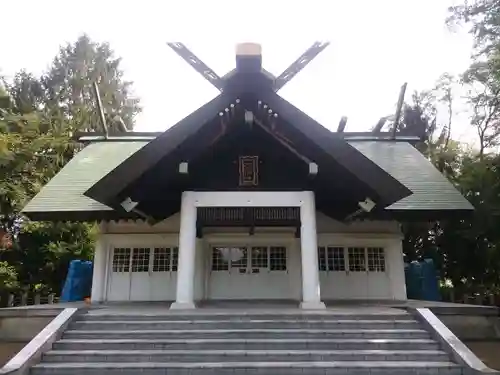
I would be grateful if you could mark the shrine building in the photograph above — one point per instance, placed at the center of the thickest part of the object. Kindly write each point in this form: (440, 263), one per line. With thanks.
(248, 198)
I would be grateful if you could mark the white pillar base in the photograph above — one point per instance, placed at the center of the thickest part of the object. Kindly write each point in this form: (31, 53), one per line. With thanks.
(182, 306)
(312, 305)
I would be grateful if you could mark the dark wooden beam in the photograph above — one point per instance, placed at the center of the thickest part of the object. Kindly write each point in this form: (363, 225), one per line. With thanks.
(285, 144)
(107, 189)
(401, 100)
(342, 124)
(197, 64)
(100, 108)
(380, 124)
(299, 64)
(387, 188)
(149, 136)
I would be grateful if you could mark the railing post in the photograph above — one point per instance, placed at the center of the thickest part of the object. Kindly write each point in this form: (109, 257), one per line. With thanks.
(10, 300)
(24, 299)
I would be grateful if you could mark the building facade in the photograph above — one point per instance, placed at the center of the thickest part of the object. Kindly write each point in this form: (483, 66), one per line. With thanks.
(248, 198)
(362, 260)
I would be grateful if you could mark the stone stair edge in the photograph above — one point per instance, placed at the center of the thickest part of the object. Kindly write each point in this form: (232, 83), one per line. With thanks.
(240, 351)
(238, 321)
(249, 315)
(266, 330)
(311, 364)
(218, 340)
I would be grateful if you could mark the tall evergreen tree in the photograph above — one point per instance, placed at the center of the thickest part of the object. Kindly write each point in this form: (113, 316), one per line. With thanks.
(37, 119)
(68, 85)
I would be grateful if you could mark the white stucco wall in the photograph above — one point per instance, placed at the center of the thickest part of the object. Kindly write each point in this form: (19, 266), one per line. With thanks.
(151, 286)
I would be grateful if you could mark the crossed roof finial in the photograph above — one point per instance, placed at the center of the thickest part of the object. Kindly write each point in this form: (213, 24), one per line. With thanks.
(249, 49)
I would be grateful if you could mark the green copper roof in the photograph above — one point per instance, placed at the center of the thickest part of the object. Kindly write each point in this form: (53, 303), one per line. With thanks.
(431, 190)
(65, 191)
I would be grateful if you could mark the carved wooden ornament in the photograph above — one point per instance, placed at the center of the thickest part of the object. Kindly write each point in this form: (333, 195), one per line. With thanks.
(249, 170)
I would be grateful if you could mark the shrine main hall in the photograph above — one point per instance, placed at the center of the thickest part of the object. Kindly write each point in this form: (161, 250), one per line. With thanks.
(248, 198)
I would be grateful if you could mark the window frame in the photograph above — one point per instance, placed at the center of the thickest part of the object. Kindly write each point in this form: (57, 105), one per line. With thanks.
(254, 265)
(144, 241)
(327, 260)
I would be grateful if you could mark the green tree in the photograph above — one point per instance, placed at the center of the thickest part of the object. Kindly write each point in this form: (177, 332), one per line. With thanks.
(483, 17)
(37, 119)
(31, 152)
(484, 100)
(68, 85)
(472, 244)
(8, 277)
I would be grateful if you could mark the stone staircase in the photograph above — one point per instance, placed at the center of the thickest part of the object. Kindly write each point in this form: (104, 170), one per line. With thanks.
(220, 343)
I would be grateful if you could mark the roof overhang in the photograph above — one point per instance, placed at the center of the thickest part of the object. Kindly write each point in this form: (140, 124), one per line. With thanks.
(62, 199)
(249, 84)
(184, 136)
(82, 216)
(108, 188)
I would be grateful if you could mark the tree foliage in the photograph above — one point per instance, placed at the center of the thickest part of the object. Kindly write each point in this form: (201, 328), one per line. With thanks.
(483, 97)
(38, 116)
(465, 249)
(67, 85)
(483, 18)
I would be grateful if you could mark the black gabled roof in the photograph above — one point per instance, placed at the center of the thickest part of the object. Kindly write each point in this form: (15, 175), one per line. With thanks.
(389, 189)
(106, 189)
(434, 197)
(249, 86)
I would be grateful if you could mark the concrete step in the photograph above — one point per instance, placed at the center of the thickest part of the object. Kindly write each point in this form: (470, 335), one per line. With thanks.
(243, 355)
(243, 324)
(245, 368)
(246, 344)
(250, 333)
(233, 316)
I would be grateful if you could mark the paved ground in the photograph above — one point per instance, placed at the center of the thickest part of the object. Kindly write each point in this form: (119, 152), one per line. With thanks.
(8, 350)
(487, 351)
(263, 303)
(235, 309)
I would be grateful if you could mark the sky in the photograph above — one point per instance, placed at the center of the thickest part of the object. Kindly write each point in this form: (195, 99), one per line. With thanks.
(375, 47)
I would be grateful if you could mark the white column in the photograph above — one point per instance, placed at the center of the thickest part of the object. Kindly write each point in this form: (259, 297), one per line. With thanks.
(99, 271)
(311, 297)
(187, 254)
(395, 268)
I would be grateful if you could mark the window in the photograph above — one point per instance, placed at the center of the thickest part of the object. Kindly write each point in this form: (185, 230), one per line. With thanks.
(219, 263)
(253, 260)
(336, 260)
(322, 258)
(357, 260)
(164, 258)
(360, 259)
(259, 258)
(121, 259)
(331, 258)
(175, 259)
(376, 259)
(239, 259)
(277, 258)
(140, 259)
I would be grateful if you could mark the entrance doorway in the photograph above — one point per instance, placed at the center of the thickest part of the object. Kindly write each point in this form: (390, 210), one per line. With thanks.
(243, 271)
